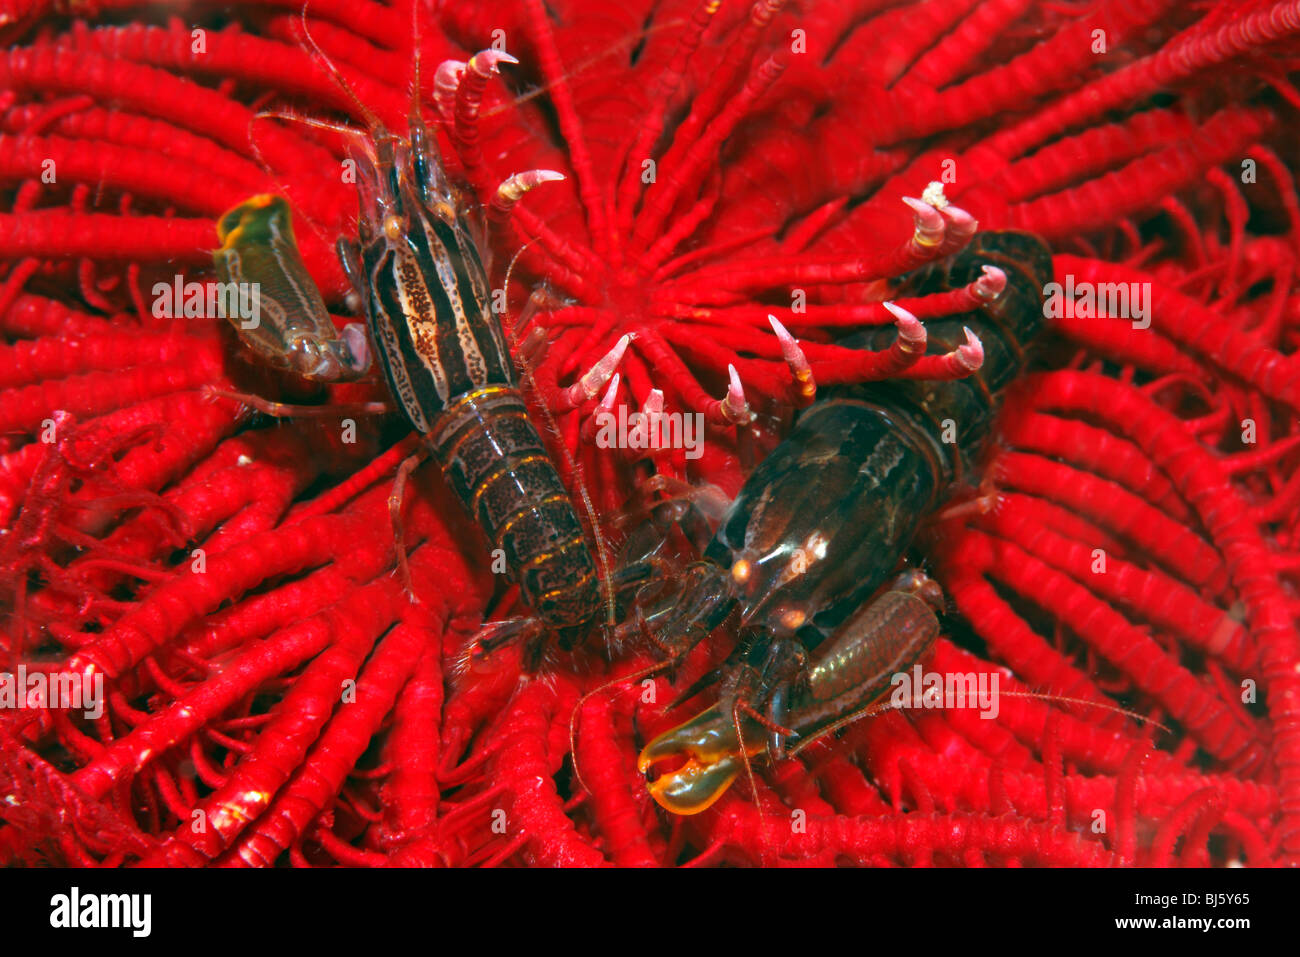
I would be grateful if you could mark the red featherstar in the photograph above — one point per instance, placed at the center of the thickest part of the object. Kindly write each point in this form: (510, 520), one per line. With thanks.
(227, 575)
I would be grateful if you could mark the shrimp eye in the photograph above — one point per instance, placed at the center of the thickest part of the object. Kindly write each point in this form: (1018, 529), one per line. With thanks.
(793, 618)
(393, 229)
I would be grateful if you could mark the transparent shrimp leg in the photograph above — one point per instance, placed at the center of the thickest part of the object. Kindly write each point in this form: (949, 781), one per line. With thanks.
(396, 499)
(285, 410)
(679, 495)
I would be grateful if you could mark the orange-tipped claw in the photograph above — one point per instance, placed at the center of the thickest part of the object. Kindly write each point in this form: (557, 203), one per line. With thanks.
(712, 760)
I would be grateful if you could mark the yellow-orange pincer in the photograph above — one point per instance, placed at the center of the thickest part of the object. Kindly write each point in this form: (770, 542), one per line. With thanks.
(712, 760)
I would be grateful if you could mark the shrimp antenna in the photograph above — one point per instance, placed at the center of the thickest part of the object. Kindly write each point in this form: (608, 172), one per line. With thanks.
(415, 39)
(506, 286)
(874, 709)
(266, 167)
(640, 36)
(1087, 703)
(341, 128)
(604, 686)
(366, 113)
(749, 773)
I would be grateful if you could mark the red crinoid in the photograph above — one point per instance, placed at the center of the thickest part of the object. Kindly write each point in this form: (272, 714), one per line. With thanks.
(227, 575)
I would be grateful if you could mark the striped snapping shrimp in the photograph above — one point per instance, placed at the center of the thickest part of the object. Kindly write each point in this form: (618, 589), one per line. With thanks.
(416, 266)
(820, 525)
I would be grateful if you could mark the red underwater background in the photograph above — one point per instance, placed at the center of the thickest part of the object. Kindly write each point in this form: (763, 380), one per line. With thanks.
(1147, 141)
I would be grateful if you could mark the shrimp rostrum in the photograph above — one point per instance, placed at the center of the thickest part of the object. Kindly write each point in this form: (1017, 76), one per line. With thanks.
(820, 525)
